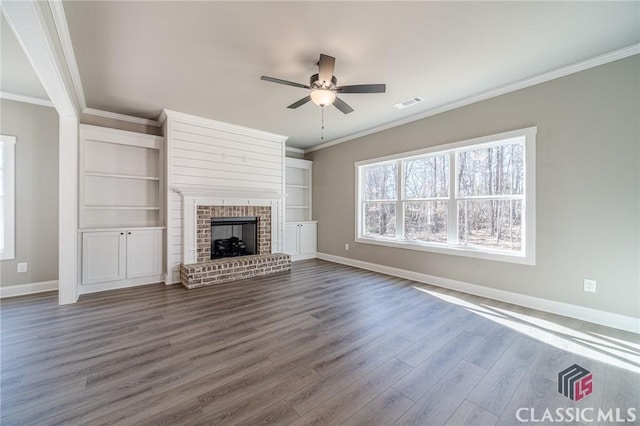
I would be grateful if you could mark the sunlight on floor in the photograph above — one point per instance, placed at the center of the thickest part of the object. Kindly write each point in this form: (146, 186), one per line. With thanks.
(599, 347)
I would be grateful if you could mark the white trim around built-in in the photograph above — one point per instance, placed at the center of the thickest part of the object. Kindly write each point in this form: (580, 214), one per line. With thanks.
(295, 150)
(28, 288)
(528, 82)
(121, 117)
(609, 319)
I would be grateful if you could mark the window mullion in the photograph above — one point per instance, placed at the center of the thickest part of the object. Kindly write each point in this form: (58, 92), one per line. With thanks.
(452, 218)
(399, 204)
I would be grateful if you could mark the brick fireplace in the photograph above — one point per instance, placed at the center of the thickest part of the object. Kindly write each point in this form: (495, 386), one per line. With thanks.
(203, 226)
(198, 269)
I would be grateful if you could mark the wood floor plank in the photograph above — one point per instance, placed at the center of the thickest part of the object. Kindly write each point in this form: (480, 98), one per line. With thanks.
(325, 388)
(431, 343)
(505, 376)
(470, 414)
(439, 403)
(347, 402)
(280, 413)
(385, 409)
(430, 371)
(496, 343)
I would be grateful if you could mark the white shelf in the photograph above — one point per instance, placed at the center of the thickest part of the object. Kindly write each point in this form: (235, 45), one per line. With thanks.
(121, 208)
(298, 207)
(128, 228)
(297, 186)
(121, 176)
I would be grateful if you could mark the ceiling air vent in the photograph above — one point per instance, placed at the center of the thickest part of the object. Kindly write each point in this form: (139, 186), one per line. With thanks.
(409, 102)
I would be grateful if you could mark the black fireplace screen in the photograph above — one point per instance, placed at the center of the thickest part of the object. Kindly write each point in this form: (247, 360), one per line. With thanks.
(233, 236)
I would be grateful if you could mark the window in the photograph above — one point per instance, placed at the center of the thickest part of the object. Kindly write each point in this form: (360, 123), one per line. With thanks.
(7, 196)
(472, 198)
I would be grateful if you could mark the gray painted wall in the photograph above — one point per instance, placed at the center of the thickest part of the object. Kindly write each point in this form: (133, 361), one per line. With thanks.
(588, 188)
(36, 131)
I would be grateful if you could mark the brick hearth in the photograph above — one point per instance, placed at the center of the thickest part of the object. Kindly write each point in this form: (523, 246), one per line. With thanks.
(231, 269)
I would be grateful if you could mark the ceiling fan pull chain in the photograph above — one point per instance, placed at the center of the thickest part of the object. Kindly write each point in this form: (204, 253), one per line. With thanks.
(322, 131)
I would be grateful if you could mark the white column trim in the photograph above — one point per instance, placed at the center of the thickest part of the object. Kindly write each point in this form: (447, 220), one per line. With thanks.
(26, 99)
(68, 269)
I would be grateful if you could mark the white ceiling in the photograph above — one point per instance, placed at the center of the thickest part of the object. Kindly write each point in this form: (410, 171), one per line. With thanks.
(205, 58)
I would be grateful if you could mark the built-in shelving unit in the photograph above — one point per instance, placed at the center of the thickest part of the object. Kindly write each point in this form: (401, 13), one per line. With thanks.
(300, 230)
(297, 177)
(120, 208)
(120, 178)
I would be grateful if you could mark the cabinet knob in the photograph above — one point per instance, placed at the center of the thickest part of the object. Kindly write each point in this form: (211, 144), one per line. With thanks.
(129, 233)
(122, 233)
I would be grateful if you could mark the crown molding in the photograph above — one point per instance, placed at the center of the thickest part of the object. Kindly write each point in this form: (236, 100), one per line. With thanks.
(26, 99)
(219, 125)
(121, 117)
(522, 84)
(296, 150)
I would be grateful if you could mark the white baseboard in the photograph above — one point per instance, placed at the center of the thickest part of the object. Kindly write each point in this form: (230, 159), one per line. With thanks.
(28, 288)
(295, 258)
(113, 285)
(609, 319)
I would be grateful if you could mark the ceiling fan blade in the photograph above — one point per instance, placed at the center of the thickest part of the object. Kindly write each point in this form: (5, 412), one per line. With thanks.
(300, 102)
(342, 106)
(362, 88)
(326, 66)
(285, 82)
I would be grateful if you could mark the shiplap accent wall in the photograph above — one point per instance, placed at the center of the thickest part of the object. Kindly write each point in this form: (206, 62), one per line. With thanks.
(209, 156)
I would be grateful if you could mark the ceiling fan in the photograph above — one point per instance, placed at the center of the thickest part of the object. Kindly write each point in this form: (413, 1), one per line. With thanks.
(324, 87)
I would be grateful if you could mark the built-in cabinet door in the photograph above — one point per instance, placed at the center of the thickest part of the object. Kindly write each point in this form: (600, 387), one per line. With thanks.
(103, 256)
(144, 253)
(307, 239)
(291, 239)
(300, 239)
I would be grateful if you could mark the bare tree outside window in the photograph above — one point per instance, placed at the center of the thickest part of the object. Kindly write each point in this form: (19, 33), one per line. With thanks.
(380, 193)
(490, 192)
(426, 201)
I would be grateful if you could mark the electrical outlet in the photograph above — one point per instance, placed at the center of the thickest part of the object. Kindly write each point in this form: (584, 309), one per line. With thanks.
(346, 246)
(22, 267)
(590, 285)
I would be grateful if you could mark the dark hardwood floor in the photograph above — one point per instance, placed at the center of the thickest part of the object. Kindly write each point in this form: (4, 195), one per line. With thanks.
(323, 344)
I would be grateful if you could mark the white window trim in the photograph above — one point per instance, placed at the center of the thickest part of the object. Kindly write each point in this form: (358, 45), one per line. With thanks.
(9, 145)
(527, 256)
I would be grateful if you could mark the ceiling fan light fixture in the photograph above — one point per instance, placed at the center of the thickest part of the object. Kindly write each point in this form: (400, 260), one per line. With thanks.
(323, 97)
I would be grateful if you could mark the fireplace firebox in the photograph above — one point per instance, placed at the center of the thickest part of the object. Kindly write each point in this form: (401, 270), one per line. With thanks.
(234, 236)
